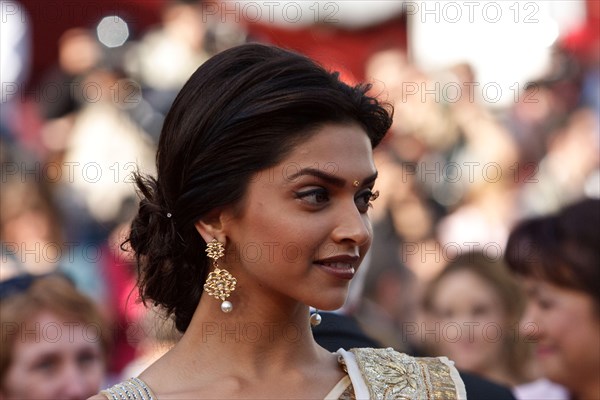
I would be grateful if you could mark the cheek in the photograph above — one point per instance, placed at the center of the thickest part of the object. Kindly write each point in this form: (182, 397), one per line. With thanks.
(561, 326)
(94, 377)
(254, 241)
(579, 341)
(470, 358)
(451, 350)
(22, 383)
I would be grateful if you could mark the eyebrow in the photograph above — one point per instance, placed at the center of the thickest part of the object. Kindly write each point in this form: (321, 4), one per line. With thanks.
(532, 290)
(329, 178)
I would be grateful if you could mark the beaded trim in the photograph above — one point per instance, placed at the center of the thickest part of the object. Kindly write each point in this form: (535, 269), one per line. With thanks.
(131, 389)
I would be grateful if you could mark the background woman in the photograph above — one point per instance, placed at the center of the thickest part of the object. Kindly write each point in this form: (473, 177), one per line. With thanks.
(558, 259)
(477, 305)
(54, 342)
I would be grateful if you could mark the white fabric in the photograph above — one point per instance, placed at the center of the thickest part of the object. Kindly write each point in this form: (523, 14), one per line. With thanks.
(338, 389)
(540, 389)
(461, 392)
(361, 391)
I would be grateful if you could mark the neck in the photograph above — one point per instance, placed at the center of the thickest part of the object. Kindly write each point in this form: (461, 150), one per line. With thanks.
(254, 338)
(591, 390)
(500, 374)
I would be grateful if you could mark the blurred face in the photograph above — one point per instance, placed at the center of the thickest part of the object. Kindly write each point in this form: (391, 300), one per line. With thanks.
(304, 229)
(566, 327)
(61, 361)
(471, 320)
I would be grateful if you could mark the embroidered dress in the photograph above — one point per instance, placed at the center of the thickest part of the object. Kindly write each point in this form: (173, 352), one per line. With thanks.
(379, 374)
(374, 374)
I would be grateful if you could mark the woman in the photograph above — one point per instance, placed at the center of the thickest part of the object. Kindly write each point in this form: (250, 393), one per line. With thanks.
(558, 259)
(54, 343)
(265, 166)
(476, 305)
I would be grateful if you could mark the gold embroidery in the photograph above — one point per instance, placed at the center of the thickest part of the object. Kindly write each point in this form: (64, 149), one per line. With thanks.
(393, 375)
(348, 394)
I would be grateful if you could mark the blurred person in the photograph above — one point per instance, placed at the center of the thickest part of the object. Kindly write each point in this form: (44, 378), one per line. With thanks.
(422, 122)
(100, 145)
(79, 52)
(558, 259)
(569, 166)
(54, 342)
(409, 217)
(15, 63)
(471, 294)
(65, 88)
(32, 229)
(530, 119)
(479, 189)
(483, 216)
(165, 57)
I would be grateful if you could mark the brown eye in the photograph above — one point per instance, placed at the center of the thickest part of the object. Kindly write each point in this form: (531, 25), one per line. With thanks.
(314, 196)
(364, 200)
(87, 358)
(47, 365)
(480, 311)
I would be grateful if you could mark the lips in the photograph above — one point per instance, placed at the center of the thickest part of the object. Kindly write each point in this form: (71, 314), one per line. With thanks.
(341, 267)
(544, 351)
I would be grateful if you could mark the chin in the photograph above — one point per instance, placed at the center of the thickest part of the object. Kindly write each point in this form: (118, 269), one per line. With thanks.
(331, 303)
(556, 375)
(467, 362)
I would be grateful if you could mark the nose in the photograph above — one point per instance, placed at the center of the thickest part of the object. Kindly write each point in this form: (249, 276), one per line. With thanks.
(352, 226)
(75, 383)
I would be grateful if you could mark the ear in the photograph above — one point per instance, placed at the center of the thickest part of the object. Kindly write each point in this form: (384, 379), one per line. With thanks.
(212, 226)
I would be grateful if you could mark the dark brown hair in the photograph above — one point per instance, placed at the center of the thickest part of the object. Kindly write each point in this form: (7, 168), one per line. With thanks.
(241, 112)
(562, 248)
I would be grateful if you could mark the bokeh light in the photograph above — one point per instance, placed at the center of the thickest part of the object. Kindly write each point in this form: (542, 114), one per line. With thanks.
(112, 31)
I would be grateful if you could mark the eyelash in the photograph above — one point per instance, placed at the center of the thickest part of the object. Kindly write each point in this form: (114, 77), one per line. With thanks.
(368, 196)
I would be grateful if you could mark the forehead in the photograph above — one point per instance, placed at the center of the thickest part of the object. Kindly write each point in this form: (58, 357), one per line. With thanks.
(334, 148)
(464, 284)
(533, 285)
(47, 333)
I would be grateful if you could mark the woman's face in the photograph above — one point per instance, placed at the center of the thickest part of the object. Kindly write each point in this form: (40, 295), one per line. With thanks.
(303, 228)
(54, 359)
(566, 328)
(472, 326)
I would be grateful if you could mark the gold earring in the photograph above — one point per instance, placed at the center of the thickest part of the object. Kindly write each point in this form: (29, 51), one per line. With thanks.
(220, 283)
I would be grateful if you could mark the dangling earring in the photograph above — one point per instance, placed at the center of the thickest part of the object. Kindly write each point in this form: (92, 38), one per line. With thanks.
(220, 283)
(315, 319)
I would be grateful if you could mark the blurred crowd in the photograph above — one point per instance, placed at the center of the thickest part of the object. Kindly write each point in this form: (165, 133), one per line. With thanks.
(455, 178)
